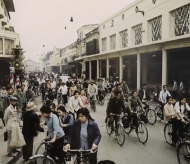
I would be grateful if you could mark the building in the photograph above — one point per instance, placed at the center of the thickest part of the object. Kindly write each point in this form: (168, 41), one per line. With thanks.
(145, 42)
(31, 66)
(8, 40)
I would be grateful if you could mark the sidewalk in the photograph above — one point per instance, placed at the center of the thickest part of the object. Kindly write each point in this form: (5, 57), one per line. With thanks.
(4, 159)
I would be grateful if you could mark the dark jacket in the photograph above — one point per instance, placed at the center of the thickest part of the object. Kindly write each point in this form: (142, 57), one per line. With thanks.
(141, 93)
(31, 123)
(116, 106)
(93, 133)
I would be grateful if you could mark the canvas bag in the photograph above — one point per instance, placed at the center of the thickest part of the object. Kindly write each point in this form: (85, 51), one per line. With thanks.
(17, 138)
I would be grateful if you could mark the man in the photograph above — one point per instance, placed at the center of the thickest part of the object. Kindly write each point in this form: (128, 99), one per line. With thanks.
(143, 94)
(63, 89)
(92, 90)
(6, 100)
(68, 84)
(55, 134)
(116, 106)
(174, 89)
(30, 95)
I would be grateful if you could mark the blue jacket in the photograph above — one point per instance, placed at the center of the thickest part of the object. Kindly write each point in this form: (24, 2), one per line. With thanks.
(93, 133)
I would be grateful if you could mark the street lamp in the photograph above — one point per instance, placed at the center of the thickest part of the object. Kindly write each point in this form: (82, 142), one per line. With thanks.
(137, 10)
(71, 20)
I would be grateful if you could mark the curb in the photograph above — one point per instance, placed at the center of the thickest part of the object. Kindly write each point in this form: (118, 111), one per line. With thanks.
(13, 160)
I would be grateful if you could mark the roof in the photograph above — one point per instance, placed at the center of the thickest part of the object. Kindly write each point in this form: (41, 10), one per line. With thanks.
(9, 5)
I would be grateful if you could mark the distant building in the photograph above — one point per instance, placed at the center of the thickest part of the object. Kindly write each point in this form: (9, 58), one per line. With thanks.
(31, 66)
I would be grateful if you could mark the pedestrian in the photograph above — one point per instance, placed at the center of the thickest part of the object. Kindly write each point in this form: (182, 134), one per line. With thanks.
(174, 89)
(31, 124)
(55, 134)
(11, 115)
(72, 89)
(6, 100)
(83, 98)
(84, 134)
(30, 95)
(63, 90)
(53, 109)
(181, 88)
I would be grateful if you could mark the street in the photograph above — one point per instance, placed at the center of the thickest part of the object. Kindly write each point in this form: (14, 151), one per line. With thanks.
(155, 151)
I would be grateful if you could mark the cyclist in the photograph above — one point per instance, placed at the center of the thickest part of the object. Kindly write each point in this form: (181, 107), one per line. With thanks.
(55, 133)
(63, 89)
(117, 88)
(84, 134)
(135, 105)
(83, 98)
(116, 106)
(163, 96)
(72, 89)
(143, 94)
(100, 89)
(92, 91)
(75, 103)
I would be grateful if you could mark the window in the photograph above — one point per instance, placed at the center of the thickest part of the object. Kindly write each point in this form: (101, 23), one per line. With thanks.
(155, 29)
(112, 23)
(9, 44)
(104, 44)
(113, 42)
(124, 38)
(180, 21)
(123, 16)
(137, 34)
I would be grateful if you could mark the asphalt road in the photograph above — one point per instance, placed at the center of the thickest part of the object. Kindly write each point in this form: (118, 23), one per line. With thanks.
(155, 151)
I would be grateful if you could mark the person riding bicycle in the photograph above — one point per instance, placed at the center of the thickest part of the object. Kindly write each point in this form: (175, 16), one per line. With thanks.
(163, 96)
(84, 134)
(170, 115)
(135, 105)
(117, 88)
(92, 91)
(144, 95)
(100, 89)
(116, 106)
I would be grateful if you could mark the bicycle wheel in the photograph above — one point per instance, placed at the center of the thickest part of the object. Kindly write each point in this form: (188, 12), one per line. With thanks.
(93, 106)
(40, 149)
(151, 115)
(183, 154)
(159, 113)
(168, 133)
(40, 159)
(108, 126)
(120, 134)
(128, 129)
(142, 132)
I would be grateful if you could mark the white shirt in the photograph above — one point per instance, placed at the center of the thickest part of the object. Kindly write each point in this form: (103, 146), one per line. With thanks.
(163, 96)
(144, 94)
(177, 108)
(75, 103)
(63, 90)
(181, 86)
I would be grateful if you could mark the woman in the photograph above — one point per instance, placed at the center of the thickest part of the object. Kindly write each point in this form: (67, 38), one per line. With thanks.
(84, 134)
(83, 98)
(169, 115)
(72, 89)
(11, 115)
(65, 119)
(31, 124)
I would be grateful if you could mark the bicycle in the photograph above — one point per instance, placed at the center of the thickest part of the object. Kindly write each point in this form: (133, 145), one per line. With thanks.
(73, 153)
(119, 128)
(140, 128)
(101, 98)
(93, 103)
(168, 129)
(183, 152)
(150, 113)
(42, 158)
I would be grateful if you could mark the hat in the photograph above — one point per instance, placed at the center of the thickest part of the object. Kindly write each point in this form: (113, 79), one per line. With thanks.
(92, 81)
(13, 98)
(30, 106)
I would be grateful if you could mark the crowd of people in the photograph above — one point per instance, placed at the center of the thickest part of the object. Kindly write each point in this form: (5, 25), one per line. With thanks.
(74, 128)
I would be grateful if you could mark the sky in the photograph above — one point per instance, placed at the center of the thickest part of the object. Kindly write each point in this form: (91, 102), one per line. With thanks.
(42, 22)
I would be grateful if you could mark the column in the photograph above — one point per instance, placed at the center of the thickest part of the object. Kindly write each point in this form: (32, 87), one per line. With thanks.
(107, 68)
(90, 70)
(121, 68)
(84, 69)
(138, 71)
(98, 68)
(164, 67)
(60, 69)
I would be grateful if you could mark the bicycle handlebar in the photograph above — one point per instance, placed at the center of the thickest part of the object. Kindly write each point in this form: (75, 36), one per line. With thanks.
(80, 150)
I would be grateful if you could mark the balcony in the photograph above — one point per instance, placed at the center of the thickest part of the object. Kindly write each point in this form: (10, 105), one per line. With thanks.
(92, 47)
(4, 23)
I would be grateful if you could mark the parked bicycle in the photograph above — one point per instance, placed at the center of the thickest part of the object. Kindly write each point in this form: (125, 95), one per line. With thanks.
(119, 128)
(139, 127)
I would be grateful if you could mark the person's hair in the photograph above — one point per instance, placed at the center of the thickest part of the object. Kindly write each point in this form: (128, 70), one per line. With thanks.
(169, 97)
(18, 87)
(144, 84)
(181, 98)
(164, 86)
(133, 92)
(62, 108)
(85, 112)
(75, 92)
(53, 105)
(29, 87)
(116, 92)
(8, 88)
(45, 109)
(106, 162)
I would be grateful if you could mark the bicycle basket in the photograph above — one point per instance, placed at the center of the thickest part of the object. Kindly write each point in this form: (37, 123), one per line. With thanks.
(125, 122)
(144, 118)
